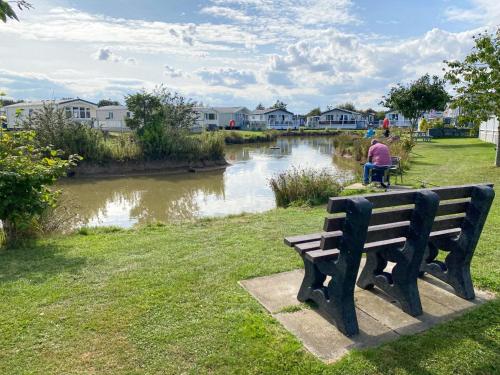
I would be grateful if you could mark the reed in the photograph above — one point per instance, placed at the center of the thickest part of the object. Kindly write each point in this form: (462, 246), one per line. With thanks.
(310, 187)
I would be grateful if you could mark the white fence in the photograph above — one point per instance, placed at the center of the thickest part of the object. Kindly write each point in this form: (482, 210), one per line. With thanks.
(488, 131)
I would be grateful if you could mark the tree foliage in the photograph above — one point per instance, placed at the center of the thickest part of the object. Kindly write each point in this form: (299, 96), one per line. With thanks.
(477, 79)
(477, 82)
(348, 106)
(26, 171)
(7, 12)
(260, 107)
(169, 109)
(314, 112)
(414, 99)
(279, 105)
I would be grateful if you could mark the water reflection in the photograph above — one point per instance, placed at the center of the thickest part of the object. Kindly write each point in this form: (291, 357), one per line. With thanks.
(241, 187)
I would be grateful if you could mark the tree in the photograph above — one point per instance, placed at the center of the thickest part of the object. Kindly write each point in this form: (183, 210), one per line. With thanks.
(26, 171)
(107, 102)
(348, 106)
(279, 105)
(6, 10)
(418, 97)
(260, 107)
(477, 82)
(314, 112)
(161, 119)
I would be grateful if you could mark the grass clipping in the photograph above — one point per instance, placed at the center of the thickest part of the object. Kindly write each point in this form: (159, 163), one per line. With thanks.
(309, 187)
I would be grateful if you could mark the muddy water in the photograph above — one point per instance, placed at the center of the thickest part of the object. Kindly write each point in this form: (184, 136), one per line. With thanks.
(241, 187)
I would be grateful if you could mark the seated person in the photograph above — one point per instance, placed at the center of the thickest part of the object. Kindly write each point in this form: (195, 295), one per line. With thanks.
(378, 156)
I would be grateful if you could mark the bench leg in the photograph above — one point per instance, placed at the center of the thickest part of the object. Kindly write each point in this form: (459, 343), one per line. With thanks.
(401, 283)
(336, 300)
(313, 279)
(455, 270)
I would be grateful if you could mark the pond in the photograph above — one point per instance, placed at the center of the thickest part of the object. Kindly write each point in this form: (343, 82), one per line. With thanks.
(241, 187)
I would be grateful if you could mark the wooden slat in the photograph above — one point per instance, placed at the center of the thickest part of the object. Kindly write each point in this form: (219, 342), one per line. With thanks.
(305, 247)
(396, 215)
(322, 255)
(399, 198)
(449, 208)
(292, 241)
(392, 230)
(375, 233)
(377, 218)
(442, 223)
(445, 233)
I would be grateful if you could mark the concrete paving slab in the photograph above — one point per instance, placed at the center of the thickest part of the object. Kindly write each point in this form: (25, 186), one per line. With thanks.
(380, 317)
(275, 292)
(324, 340)
(379, 306)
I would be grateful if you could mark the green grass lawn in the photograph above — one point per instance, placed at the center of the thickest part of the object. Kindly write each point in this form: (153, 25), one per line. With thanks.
(165, 299)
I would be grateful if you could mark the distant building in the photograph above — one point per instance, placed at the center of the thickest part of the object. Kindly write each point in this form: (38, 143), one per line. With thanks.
(397, 119)
(75, 109)
(112, 118)
(207, 118)
(227, 115)
(272, 118)
(337, 118)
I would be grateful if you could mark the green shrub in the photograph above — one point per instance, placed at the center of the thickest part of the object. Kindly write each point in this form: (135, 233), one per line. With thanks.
(26, 171)
(304, 186)
(54, 129)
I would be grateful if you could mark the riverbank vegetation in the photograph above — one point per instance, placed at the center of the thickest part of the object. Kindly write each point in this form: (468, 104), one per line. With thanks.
(166, 299)
(26, 172)
(160, 125)
(356, 147)
(297, 187)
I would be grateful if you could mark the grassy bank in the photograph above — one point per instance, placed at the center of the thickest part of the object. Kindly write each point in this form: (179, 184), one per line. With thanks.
(165, 299)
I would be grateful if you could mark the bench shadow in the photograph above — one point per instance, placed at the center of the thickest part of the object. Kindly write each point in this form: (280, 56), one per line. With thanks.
(37, 263)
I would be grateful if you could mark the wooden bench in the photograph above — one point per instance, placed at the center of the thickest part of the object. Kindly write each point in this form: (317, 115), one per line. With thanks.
(406, 228)
(424, 136)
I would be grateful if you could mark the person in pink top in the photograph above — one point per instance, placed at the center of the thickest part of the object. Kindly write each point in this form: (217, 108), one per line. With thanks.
(378, 156)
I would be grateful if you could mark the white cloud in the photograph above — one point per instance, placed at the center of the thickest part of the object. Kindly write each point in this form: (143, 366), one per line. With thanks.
(225, 12)
(106, 54)
(481, 11)
(228, 77)
(172, 72)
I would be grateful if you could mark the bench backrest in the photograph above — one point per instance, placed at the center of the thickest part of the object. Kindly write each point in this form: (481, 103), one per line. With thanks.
(394, 212)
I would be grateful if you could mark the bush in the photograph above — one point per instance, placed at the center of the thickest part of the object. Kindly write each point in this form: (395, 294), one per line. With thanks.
(26, 171)
(54, 129)
(304, 187)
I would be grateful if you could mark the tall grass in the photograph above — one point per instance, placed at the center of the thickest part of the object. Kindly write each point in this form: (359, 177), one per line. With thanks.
(304, 187)
(356, 147)
(239, 137)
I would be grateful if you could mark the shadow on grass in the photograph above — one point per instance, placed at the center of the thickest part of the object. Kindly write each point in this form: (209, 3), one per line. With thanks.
(36, 263)
(473, 333)
(466, 145)
(419, 162)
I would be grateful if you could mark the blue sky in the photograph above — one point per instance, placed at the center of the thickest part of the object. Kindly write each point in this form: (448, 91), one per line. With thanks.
(307, 53)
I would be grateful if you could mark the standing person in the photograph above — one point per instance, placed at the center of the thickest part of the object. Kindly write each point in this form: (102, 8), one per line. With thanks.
(378, 156)
(386, 126)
